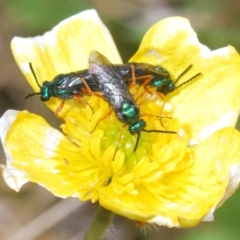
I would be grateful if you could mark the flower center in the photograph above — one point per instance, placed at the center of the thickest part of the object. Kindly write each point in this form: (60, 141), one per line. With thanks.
(109, 145)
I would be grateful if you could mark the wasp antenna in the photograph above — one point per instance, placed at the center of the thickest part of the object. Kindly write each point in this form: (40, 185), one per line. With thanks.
(30, 65)
(187, 69)
(160, 131)
(31, 94)
(136, 145)
(189, 80)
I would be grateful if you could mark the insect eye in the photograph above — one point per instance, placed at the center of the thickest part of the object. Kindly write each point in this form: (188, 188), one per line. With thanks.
(44, 98)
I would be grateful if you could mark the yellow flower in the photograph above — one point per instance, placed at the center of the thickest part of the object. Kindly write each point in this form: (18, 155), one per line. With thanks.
(173, 180)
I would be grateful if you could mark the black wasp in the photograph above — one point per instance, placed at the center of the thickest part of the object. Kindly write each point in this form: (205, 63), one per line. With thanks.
(66, 86)
(114, 89)
(153, 76)
(77, 84)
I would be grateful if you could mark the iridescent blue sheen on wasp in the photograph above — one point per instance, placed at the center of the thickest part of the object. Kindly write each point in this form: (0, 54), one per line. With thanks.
(65, 87)
(115, 91)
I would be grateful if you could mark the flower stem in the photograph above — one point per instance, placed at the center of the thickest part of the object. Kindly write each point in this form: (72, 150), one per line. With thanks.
(100, 225)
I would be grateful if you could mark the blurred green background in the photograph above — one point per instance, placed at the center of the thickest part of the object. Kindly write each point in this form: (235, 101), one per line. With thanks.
(34, 213)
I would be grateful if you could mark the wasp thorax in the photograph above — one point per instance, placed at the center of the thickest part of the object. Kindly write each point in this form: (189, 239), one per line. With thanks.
(159, 82)
(130, 113)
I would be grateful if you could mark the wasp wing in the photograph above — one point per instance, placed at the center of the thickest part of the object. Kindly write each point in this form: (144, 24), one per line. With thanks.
(110, 83)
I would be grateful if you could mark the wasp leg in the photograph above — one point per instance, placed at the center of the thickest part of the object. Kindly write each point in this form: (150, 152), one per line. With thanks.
(119, 139)
(163, 105)
(157, 116)
(79, 99)
(59, 109)
(87, 87)
(153, 115)
(133, 78)
(148, 78)
(107, 115)
(132, 81)
(85, 92)
(144, 92)
(89, 90)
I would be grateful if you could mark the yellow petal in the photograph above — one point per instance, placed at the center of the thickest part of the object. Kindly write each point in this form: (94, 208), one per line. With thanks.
(189, 196)
(212, 100)
(64, 49)
(38, 153)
